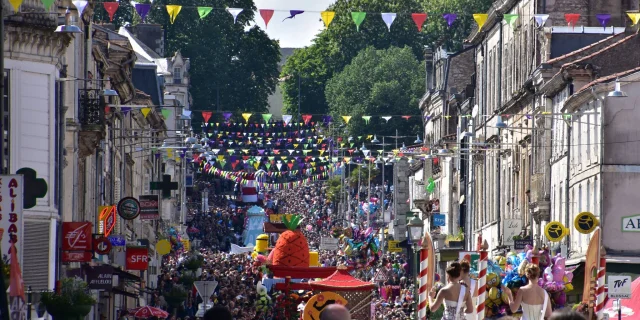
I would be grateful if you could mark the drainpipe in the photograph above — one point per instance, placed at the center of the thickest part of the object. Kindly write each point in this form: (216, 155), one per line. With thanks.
(498, 180)
(567, 205)
(61, 129)
(484, 131)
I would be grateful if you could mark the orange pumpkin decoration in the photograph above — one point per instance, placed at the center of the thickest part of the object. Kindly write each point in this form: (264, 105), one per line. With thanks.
(291, 249)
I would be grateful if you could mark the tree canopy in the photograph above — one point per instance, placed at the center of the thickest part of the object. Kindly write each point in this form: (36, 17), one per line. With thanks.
(379, 82)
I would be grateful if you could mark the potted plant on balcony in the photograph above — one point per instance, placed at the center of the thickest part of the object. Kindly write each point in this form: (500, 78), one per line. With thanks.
(455, 240)
(72, 301)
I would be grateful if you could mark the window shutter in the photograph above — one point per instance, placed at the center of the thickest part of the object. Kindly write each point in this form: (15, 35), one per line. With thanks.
(35, 262)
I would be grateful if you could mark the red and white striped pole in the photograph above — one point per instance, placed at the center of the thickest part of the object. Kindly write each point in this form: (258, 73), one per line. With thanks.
(601, 295)
(482, 279)
(423, 290)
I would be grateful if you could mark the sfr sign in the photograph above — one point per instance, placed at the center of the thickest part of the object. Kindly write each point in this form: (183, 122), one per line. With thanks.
(137, 258)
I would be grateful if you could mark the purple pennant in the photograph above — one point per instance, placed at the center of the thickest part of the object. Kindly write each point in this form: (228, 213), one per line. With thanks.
(326, 119)
(260, 152)
(143, 9)
(226, 115)
(450, 18)
(301, 165)
(604, 19)
(182, 154)
(158, 154)
(125, 110)
(293, 14)
(232, 159)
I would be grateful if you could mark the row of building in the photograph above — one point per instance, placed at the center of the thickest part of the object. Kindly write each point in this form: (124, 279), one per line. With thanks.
(90, 112)
(527, 130)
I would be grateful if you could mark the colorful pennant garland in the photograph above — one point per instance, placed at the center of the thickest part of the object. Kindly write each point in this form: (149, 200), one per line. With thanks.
(266, 15)
(173, 11)
(327, 17)
(358, 18)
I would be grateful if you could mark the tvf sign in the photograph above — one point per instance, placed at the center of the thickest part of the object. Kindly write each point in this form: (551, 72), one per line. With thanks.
(137, 258)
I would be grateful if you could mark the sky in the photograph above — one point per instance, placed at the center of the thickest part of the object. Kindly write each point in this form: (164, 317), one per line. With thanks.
(297, 32)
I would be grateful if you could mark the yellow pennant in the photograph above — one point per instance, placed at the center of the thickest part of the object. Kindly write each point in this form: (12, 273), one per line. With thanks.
(634, 16)
(173, 11)
(480, 18)
(145, 111)
(346, 119)
(246, 116)
(347, 159)
(256, 165)
(327, 17)
(15, 4)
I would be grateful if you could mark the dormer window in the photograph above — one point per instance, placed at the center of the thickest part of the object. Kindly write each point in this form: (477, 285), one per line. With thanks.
(177, 75)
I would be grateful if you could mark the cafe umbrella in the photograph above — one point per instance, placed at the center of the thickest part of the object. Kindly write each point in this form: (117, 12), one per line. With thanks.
(148, 312)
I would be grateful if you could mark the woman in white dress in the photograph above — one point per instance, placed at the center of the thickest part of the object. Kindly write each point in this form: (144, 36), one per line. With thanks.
(472, 285)
(533, 299)
(455, 296)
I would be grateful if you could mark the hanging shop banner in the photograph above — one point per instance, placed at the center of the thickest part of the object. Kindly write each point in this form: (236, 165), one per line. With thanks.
(11, 219)
(555, 231)
(137, 258)
(106, 220)
(585, 222)
(439, 220)
(129, 208)
(77, 236)
(100, 277)
(101, 245)
(149, 207)
(320, 301)
(511, 228)
(117, 240)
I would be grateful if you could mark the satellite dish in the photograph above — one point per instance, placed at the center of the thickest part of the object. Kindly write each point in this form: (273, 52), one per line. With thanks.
(474, 112)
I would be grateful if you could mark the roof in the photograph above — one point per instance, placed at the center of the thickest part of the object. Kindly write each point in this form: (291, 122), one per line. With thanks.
(146, 80)
(609, 47)
(143, 52)
(341, 280)
(574, 53)
(608, 78)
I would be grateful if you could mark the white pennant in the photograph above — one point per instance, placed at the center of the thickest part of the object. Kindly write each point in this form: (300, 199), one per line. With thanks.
(286, 118)
(234, 12)
(290, 151)
(216, 151)
(388, 18)
(366, 152)
(279, 165)
(541, 19)
(80, 5)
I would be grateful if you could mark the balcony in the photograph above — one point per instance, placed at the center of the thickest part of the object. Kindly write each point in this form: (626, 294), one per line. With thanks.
(92, 122)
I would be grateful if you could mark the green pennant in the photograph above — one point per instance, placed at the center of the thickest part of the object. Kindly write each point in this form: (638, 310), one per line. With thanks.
(510, 19)
(166, 113)
(204, 11)
(431, 186)
(47, 4)
(266, 117)
(358, 17)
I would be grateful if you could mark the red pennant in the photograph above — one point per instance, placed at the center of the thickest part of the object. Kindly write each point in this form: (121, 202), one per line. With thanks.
(419, 19)
(266, 15)
(306, 118)
(572, 19)
(206, 115)
(406, 117)
(111, 8)
(290, 165)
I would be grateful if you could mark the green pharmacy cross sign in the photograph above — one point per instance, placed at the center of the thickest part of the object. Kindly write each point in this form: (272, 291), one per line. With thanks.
(165, 185)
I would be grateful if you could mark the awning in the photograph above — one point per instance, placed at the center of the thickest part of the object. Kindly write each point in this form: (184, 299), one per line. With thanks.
(124, 293)
(125, 275)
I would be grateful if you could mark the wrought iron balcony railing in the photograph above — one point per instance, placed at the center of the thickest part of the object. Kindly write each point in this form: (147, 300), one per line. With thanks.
(91, 109)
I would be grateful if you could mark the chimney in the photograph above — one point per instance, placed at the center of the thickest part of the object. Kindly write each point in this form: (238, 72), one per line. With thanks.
(428, 58)
(152, 35)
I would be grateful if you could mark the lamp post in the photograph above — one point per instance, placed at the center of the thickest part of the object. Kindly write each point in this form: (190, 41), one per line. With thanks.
(415, 226)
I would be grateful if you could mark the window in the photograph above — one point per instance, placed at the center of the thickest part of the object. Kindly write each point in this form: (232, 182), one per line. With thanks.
(6, 124)
(596, 201)
(588, 195)
(177, 75)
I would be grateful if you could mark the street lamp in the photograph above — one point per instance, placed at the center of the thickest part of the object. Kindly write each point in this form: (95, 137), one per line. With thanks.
(415, 227)
(617, 91)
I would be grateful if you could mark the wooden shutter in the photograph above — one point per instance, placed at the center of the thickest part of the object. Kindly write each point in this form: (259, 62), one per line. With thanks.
(35, 262)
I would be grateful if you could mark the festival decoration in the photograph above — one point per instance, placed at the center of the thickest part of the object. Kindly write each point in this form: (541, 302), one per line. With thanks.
(327, 17)
(482, 279)
(510, 19)
(266, 15)
(204, 11)
(358, 18)
(603, 18)
(173, 11)
(291, 248)
(234, 12)
(80, 5)
(111, 8)
(264, 301)
(293, 14)
(481, 19)
(419, 19)
(572, 19)
(541, 19)
(634, 16)
(450, 18)
(388, 18)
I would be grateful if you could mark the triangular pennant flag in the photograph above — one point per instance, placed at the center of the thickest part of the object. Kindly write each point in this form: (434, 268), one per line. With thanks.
(266, 15)
(510, 19)
(450, 18)
(293, 14)
(634, 16)
(204, 11)
(246, 116)
(346, 119)
(234, 12)
(480, 19)
(358, 17)
(15, 4)
(603, 18)
(142, 9)
(387, 118)
(286, 118)
(327, 17)
(111, 8)
(206, 115)
(80, 5)
(306, 118)
(166, 113)
(47, 4)
(388, 18)
(266, 117)
(145, 111)
(366, 119)
(419, 19)
(173, 11)
(541, 19)
(571, 19)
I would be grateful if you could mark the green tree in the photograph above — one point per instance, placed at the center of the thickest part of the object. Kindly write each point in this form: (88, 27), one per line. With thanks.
(228, 62)
(379, 82)
(334, 189)
(438, 33)
(361, 174)
(335, 46)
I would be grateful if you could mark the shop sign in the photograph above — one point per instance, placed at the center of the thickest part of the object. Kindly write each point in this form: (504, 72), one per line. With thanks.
(555, 231)
(585, 222)
(77, 236)
(619, 287)
(149, 207)
(393, 246)
(439, 220)
(76, 256)
(106, 220)
(101, 245)
(11, 218)
(117, 240)
(631, 223)
(328, 243)
(512, 228)
(100, 277)
(129, 208)
(137, 258)
(522, 243)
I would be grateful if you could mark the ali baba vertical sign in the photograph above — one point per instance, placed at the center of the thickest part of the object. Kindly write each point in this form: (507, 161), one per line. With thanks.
(11, 235)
